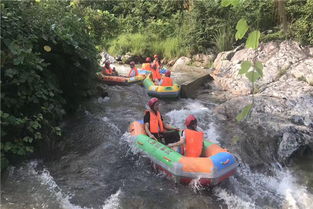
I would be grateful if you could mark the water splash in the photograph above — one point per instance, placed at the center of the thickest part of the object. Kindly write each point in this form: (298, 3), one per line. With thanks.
(113, 201)
(111, 124)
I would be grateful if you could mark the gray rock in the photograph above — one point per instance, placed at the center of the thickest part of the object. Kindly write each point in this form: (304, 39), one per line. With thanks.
(283, 99)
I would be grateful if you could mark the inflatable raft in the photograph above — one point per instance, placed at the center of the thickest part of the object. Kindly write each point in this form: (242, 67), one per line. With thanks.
(119, 80)
(161, 91)
(216, 164)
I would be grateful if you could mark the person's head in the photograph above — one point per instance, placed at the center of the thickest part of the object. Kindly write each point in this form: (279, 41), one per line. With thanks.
(107, 64)
(154, 67)
(191, 122)
(156, 56)
(168, 73)
(132, 64)
(154, 104)
(148, 59)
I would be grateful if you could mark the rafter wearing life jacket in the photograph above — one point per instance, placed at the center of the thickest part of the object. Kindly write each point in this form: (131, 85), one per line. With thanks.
(156, 123)
(155, 73)
(167, 80)
(194, 143)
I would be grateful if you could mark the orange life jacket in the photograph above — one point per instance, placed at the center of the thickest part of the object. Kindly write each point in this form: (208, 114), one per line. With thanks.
(194, 143)
(130, 72)
(157, 63)
(167, 81)
(156, 74)
(156, 123)
(108, 71)
(146, 66)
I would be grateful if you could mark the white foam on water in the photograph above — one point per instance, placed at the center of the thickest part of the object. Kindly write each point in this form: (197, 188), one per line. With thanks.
(252, 187)
(231, 200)
(295, 196)
(103, 99)
(111, 124)
(45, 178)
(113, 201)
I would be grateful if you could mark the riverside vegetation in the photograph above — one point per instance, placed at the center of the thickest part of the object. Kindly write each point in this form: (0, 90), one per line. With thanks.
(49, 50)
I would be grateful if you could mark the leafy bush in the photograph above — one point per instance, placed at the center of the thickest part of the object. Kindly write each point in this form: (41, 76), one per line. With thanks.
(47, 64)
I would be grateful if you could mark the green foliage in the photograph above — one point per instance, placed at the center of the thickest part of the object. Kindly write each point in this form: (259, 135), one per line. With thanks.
(245, 66)
(146, 45)
(224, 39)
(241, 27)
(47, 65)
(253, 39)
(244, 112)
(300, 16)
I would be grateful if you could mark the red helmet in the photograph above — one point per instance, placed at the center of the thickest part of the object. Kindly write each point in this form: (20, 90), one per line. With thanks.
(153, 66)
(148, 59)
(152, 101)
(168, 73)
(132, 63)
(189, 120)
(156, 56)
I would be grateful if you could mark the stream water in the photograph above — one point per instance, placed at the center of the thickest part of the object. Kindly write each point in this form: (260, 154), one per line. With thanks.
(94, 166)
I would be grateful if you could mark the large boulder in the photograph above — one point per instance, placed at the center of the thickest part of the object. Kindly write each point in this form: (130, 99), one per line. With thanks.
(283, 99)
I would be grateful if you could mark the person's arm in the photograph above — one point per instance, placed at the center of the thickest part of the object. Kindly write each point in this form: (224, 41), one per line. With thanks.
(180, 142)
(147, 129)
(169, 127)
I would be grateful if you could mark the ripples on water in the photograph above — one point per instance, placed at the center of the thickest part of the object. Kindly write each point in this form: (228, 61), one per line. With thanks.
(99, 167)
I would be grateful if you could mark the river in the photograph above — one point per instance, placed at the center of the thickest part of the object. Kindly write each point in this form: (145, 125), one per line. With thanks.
(95, 165)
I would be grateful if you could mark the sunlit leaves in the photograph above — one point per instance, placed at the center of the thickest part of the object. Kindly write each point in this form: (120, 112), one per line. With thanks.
(259, 67)
(245, 66)
(47, 48)
(253, 76)
(226, 3)
(244, 112)
(253, 39)
(241, 27)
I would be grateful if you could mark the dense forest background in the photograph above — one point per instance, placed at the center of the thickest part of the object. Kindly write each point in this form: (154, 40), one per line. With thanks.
(49, 50)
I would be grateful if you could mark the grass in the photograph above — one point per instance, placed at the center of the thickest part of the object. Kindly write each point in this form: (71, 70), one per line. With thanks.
(223, 39)
(146, 45)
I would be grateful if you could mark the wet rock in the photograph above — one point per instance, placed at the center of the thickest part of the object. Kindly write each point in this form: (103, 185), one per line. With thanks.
(101, 91)
(283, 99)
(106, 57)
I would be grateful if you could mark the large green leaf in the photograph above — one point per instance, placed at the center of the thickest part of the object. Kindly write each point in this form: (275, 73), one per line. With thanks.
(245, 67)
(244, 112)
(259, 67)
(241, 27)
(253, 39)
(253, 76)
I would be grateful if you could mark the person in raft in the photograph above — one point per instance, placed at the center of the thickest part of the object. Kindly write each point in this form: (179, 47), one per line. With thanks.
(155, 126)
(167, 80)
(191, 141)
(156, 76)
(108, 70)
(133, 70)
(157, 62)
(147, 64)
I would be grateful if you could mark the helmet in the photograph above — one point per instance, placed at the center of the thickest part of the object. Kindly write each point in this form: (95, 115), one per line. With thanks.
(168, 73)
(153, 66)
(132, 63)
(148, 59)
(156, 56)
(107, 63)
(152, 101)
(189, 120)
